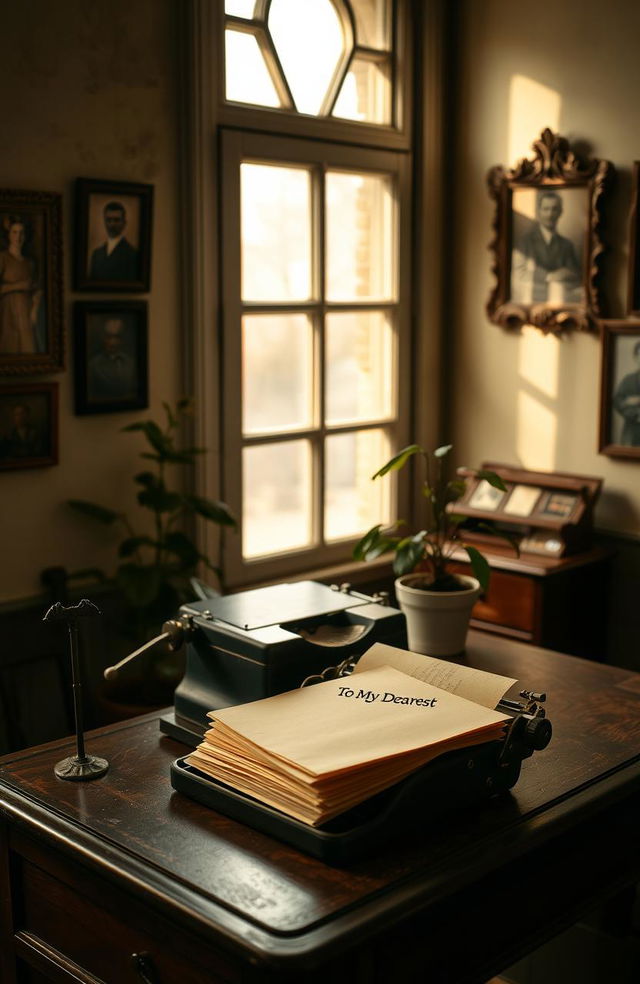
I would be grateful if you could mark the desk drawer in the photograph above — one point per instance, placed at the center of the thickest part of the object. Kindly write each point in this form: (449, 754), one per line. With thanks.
(511, 601)
(107, 934)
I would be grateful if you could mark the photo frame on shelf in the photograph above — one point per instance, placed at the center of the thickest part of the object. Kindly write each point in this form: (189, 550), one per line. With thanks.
(31, 322)
(547, 246)
(113, 236)
(633, 275)
(620, 389)
(110, 356)
(28, 425)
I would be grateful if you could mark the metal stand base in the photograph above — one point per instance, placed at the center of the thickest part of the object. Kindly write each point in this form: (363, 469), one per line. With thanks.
(81, 769)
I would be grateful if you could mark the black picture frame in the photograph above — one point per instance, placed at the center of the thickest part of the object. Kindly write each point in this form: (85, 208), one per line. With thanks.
(110, 356)
(28, 425)
(619, 388)
(633, 273)
(546, 277)
(31, 309)
(127, 208)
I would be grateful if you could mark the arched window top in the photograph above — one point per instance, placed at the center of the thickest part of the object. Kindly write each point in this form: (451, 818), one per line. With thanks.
(323, 58)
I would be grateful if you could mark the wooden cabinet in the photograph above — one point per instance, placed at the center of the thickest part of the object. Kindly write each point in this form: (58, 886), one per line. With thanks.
(555, 603)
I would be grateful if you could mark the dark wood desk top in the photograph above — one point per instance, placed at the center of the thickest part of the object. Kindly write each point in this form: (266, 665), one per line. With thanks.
(268, 901)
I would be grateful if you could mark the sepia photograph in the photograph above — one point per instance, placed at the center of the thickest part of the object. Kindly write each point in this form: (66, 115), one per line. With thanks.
(110, 356)
(549, 234)
(113, 235)
(547, 248)
(620, 389)
(28, 425)
(30, 283)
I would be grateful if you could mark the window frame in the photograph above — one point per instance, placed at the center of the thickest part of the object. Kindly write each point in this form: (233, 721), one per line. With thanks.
(427, 42)
(285, 122)
(235, 147)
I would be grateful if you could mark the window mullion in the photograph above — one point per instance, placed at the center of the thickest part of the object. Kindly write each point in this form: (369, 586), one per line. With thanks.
(320, 274)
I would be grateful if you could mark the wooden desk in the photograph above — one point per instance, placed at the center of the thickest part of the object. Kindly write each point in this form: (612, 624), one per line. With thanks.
(93, 873)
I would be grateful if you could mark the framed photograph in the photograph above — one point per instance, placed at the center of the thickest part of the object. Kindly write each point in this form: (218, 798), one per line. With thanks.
(113, 236)
(110, 356)
(547, 245)
(620, 389)
(28, 425)
(30, 282)
(633, 293)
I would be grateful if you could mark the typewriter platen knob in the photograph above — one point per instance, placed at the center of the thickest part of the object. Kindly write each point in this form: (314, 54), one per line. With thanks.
(538, 733)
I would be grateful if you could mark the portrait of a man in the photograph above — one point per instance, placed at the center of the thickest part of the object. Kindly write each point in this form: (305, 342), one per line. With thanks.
(112, 368)
(113, 235)
(547, 258)
(116, 258)
(110, 356)
(626, 395)
(27, 437)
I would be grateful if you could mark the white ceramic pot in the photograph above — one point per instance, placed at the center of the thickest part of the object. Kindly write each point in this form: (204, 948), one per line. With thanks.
(437, 621)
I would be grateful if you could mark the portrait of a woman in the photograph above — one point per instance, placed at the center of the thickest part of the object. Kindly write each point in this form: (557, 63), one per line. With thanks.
(20, 291)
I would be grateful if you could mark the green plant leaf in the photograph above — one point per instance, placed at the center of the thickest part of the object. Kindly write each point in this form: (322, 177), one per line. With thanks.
(158, 441)
(132, 543)
(146, 478)
(159, 498)
(398, 460)
(216, 512)
(94, 511)
(185, 550)
(409, 553)
(368, 542)
(171, 419)
(441, 452)
(492, 479)
(479, 566)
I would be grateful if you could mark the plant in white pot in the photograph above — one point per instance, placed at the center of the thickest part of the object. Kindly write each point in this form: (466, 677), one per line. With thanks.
(436, 601)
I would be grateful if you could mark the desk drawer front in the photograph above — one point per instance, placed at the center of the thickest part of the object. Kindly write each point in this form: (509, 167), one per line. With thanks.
(112, 942)
(510, 601)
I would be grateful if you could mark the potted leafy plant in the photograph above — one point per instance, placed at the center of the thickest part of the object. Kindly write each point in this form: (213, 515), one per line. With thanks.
(157, 564)
(436, 601)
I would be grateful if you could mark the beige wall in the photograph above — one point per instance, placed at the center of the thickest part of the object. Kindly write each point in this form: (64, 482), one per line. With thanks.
(88, 91)
(571, 65)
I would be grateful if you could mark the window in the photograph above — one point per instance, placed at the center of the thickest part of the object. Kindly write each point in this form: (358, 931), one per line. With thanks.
(320, 57)
(315, 208)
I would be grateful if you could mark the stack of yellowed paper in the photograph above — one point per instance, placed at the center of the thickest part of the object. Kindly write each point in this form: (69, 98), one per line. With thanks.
(315, 752)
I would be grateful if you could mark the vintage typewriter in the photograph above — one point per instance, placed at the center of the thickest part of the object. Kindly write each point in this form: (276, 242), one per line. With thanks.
(258, 643)
(255, 644)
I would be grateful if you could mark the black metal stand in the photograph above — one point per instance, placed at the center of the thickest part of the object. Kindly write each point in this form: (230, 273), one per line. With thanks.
(79, 767)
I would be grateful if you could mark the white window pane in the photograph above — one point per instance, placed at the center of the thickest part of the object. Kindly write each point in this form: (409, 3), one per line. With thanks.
(360, 237)
(276, 498)
(310, 44)
(366, 93)
(373, 23)
(247, 76)
(353, 502)
(277, 372)
(359, 367)
(240, 8)
(276, 233)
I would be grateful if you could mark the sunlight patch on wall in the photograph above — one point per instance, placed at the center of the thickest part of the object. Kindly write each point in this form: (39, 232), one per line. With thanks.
(537, 433)
(532, 107)
(539, 361)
